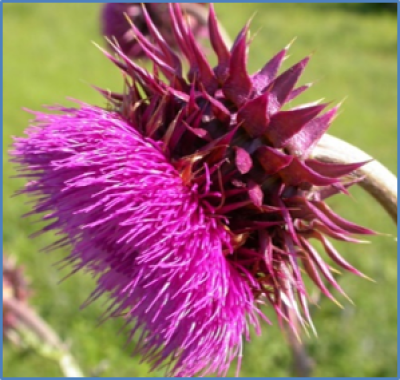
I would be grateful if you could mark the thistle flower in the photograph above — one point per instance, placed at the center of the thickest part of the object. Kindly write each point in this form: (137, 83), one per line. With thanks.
(116, 27)
(192, 198)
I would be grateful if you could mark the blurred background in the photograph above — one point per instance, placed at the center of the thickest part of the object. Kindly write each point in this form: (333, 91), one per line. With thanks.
(49, 56)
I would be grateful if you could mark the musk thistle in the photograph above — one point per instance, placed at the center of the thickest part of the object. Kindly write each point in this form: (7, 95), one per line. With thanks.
(116, 26)
(193, 198)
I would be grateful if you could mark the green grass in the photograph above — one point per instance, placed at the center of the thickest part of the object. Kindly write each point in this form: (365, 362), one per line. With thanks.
(48, 56)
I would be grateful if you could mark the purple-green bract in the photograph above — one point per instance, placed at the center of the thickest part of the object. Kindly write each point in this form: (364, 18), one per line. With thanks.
(192, 198)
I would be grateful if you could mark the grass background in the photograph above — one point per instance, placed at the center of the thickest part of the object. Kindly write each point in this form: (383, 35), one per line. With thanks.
(48, 56)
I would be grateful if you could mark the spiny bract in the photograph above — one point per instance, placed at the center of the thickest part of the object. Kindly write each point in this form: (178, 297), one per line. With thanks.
(116, 27)
(192, 198)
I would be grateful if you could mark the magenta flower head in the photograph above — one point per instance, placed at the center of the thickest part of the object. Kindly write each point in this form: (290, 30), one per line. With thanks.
(192, 198)
(117, 28)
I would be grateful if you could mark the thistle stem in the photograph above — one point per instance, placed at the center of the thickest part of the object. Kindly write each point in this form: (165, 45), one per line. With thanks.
(44, 335)
(377, 180)
(303, 364)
